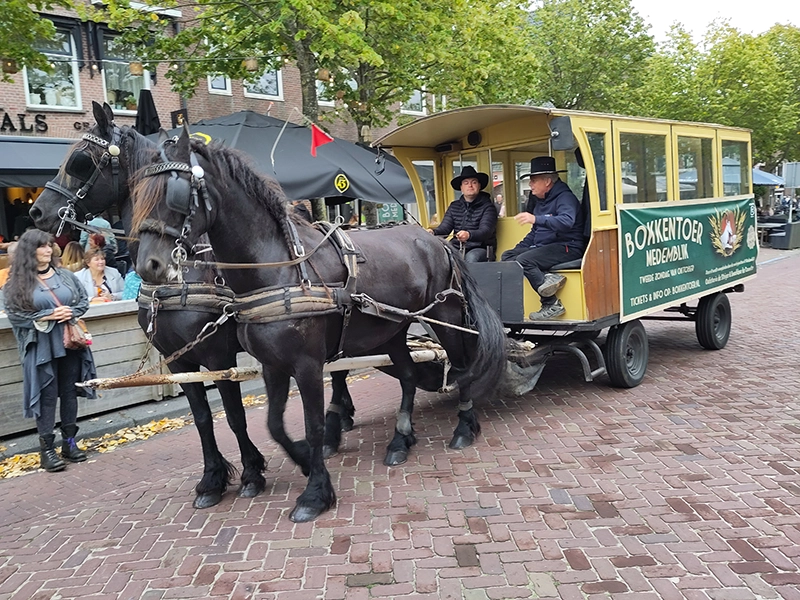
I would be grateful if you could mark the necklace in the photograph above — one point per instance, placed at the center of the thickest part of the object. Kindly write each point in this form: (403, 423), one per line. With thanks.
(47, 270)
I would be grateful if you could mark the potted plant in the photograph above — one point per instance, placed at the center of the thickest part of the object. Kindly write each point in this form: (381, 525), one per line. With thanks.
(130, 102)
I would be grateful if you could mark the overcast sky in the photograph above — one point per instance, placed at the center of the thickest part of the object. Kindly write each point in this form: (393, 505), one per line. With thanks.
(747, 16)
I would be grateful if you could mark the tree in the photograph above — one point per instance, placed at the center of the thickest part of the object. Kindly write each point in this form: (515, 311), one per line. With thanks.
(741, 83)
(22, 28)
(669, 86)
(784, 40)
(432, 45)
(591, 53)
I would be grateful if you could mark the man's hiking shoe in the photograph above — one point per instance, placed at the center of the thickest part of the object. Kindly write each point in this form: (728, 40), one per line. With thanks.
(552, 283)
(551, 311)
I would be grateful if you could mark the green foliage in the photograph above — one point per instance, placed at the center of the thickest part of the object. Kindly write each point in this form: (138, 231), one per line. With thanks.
(591, 53)
(22, 27)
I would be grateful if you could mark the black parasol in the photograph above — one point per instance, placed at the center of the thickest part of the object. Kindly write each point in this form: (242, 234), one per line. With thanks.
(341, 168)
(147, 120)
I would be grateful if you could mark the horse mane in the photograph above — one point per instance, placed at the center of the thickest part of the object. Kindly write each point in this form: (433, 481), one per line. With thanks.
(232, 166)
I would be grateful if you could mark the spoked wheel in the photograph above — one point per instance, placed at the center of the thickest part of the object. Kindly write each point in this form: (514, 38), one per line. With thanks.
(713, 321)
(627, 352)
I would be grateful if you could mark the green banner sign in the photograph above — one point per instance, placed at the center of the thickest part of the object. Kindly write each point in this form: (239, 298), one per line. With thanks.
(390, 211)
(674, 251)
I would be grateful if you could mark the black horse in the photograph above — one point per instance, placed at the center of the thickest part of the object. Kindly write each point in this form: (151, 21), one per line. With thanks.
(293, 319)
(174, 326)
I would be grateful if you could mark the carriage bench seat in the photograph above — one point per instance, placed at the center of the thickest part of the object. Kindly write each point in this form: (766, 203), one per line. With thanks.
(567, 266)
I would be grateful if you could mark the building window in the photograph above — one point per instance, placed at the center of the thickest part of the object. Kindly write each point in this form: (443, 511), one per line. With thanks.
(415, 105)
(122, 88)
(219, 84)
(268, 87)
(58, 89)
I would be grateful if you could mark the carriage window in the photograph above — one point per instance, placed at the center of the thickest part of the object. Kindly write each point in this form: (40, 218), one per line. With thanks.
(735, 170)
(496, 190)
(695, 174)
(59, 88)
(644, 167)
(523, 185)
(424, 169)
(122, 88)
(597, 144)
(575, 176)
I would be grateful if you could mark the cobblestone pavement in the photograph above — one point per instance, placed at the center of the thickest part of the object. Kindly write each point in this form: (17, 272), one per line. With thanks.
(684, 487)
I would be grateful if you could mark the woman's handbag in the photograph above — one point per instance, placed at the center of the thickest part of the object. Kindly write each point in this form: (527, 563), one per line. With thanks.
(76, 334)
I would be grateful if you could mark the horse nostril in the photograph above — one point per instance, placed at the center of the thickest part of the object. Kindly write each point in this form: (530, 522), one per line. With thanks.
(35, 213)
(154, 267)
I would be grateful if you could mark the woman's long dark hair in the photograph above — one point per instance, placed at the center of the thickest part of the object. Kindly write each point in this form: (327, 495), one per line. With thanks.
(22, 278)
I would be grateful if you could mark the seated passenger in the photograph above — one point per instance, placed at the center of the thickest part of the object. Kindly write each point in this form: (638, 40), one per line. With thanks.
(556, 234)
(472, 218)
(102, 283)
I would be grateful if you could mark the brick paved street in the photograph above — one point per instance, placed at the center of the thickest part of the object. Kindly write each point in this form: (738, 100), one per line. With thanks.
(687, 486)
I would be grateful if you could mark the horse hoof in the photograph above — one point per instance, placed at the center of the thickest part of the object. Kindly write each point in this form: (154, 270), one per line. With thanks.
(395, 457)
(250, 490)
(461, 441)
(304, 514)
(328, 451)
(347, 423)
(207, 500)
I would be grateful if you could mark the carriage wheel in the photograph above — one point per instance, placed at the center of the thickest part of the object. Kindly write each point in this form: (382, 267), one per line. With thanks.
(713, 321)
(626, 353)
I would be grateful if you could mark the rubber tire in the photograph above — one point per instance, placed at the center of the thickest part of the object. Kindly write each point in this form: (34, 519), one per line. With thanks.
(627, 352)
(712, 322)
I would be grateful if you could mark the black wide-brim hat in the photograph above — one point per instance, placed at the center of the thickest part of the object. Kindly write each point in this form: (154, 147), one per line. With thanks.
(542, 165)
(470, 172)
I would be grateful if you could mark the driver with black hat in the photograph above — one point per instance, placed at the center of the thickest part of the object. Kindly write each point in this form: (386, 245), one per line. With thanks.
(472, 218)
(556, 234)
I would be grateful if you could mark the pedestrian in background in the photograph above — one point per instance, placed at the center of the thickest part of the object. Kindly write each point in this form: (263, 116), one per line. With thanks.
(72, 257)
(39, 299)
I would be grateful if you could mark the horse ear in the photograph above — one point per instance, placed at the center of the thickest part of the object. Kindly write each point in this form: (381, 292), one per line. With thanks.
(182, 147)
(108, 111)
(100, 116)
(163, 136)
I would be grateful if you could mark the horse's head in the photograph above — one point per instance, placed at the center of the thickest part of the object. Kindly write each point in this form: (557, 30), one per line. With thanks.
(172, 209)
(93, 177)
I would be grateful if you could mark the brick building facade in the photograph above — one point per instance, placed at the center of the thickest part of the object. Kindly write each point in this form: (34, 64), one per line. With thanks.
(58, 106)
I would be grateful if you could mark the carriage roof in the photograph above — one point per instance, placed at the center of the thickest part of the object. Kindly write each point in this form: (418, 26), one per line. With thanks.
(453, 124)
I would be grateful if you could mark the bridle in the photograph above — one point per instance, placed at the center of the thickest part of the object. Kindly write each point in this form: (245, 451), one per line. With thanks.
(78, 166)
(182, 196)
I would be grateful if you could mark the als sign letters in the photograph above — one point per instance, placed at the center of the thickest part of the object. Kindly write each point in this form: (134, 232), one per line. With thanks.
(674, 251)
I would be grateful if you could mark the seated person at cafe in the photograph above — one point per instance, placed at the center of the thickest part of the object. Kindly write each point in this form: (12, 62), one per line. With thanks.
(472, 218)
(556, 235)
(102, 283)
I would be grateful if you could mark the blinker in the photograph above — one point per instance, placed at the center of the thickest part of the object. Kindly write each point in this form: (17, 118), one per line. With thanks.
(179, 193)
(80, 166)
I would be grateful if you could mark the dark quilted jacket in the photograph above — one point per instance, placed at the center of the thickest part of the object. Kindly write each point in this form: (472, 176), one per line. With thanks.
(479, 217)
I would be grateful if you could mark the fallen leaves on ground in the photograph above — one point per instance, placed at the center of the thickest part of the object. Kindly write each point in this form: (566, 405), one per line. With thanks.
(21, 464)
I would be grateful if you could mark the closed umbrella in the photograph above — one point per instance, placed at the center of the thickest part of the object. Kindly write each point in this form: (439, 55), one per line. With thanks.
(341, 168)
(147, 121)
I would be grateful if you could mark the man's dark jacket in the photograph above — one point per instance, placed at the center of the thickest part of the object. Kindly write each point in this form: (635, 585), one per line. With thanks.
(559, 219)
(479, 217)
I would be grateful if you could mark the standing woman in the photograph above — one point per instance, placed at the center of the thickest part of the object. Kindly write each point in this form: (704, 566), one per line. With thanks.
(40, 297)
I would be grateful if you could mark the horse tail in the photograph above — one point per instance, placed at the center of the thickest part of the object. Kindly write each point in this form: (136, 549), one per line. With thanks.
(485, 370)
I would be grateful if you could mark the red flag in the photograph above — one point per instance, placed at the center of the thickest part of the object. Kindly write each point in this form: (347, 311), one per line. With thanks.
(318, 138)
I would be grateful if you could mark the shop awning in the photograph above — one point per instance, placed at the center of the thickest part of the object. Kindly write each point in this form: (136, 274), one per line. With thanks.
(763, 178)
(29, 161)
